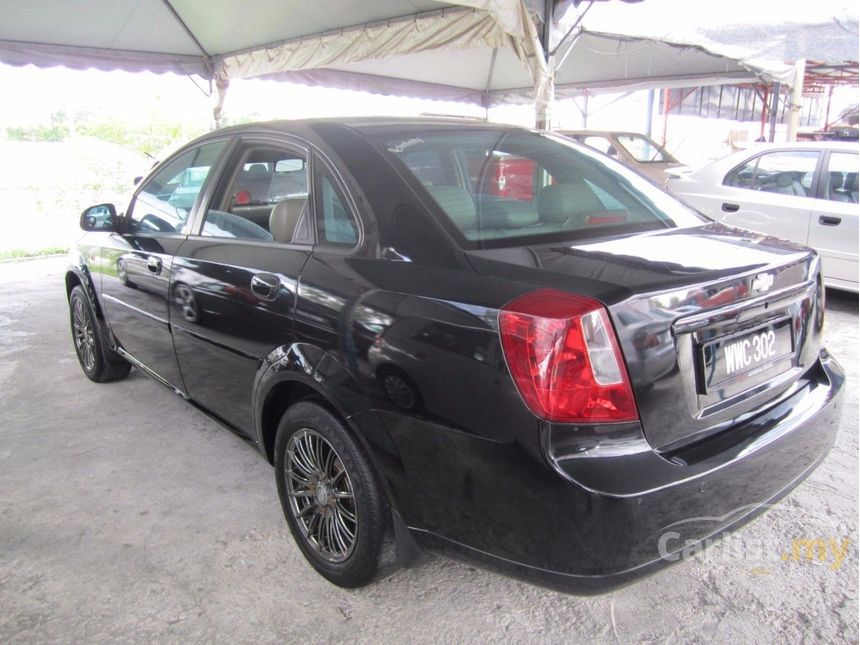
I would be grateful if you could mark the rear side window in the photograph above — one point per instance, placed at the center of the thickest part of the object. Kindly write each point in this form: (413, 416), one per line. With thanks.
(262, 197)
(785, 172)
(743, 176)
(164, 202)
(788, 173)
(504, 188)
(336, 225)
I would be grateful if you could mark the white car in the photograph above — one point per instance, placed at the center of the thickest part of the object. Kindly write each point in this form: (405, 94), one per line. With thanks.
(803, 192)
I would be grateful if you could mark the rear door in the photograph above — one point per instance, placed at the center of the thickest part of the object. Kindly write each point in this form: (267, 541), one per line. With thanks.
(137, 262)
(772, 193)
(833, 231)
(233, 284)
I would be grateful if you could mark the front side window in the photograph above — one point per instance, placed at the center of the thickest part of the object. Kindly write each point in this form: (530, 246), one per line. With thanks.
(516, 187)
(262, 197)
(841, 179)
(165, 201)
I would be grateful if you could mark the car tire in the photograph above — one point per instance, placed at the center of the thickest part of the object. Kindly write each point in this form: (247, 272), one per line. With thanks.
(186, 302)
(122, 273)
(330, 494)
(399, 389)
(99, 365)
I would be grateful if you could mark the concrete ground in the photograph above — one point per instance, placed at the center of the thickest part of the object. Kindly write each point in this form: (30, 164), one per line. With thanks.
(127, 515)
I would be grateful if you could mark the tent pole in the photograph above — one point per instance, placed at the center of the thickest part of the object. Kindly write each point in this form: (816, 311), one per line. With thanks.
(796, 99)
(650, 114)
(544, 97)
(826, 127)
(585, 110)
(545, 85)
(222, 84)
(763, 113)
(665, 116)
(774, 109)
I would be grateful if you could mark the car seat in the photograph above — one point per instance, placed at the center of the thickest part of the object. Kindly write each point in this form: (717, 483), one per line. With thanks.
(284, 218)
(457, 204)
(567, 204)
(785, 183)
(850, 186)
(836, 192)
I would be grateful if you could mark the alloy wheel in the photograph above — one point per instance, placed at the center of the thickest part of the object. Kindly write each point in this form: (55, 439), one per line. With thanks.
(187, 303)
(399, 391)
(85, 339)
(321, 495)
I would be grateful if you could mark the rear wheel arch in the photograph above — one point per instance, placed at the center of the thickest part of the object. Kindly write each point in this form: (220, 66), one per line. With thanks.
(274, 398)
(279, 398)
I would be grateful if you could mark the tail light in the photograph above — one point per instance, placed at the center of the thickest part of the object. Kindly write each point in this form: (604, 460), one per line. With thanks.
(564, 358)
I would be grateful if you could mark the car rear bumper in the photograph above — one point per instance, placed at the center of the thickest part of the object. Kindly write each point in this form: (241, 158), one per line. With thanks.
(620, 513)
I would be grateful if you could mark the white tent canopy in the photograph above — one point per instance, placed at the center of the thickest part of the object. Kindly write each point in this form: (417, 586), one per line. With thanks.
(483, 51)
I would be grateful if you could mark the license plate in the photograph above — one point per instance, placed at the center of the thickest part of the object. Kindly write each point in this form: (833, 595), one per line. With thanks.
(732, 356)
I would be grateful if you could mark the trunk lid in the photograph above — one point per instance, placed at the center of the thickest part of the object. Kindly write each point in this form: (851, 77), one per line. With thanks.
(691, 307)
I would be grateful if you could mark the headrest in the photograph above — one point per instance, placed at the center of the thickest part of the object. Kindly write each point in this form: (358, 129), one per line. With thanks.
(783, 179)
(558, 203)
(498, 212)
(284, 217)
(257, 172)
(851, 181)
(457, 204)
(835, 180)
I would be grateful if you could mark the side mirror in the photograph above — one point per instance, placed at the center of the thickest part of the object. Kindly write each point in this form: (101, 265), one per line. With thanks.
(138, 179)
(101, 217)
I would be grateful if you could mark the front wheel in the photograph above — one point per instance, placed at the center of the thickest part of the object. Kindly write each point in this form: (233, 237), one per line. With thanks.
(330, 494)
(85, 334)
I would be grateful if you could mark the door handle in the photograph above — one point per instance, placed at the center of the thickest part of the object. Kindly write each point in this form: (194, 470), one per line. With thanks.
(827, 220)
(154, 265)
(265, 286)
(730, 208)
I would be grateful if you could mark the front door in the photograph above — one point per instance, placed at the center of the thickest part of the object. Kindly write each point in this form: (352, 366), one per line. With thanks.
(136, 263)
(233, 283)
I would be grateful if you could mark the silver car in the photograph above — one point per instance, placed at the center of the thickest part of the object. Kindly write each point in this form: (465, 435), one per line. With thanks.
(803, 192)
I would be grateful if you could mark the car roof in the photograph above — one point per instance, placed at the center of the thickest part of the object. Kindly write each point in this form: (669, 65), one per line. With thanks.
(308, 128)
(724, 164)
(361, 123)
(602, 133)
(850, 146)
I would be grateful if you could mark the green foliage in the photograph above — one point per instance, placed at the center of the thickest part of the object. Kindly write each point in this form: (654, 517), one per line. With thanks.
(17, 254)
(39, 133)
(148, 139)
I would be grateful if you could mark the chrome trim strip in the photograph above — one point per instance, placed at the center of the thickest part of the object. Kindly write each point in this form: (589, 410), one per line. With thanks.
(697, 321)
(107, 296)
(143, 368)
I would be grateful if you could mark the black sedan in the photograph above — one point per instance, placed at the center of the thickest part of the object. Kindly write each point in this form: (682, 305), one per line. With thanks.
(573, 384)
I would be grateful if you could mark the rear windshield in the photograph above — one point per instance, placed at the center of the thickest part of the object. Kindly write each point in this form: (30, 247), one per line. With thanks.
(643, 150)
(510, 187)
